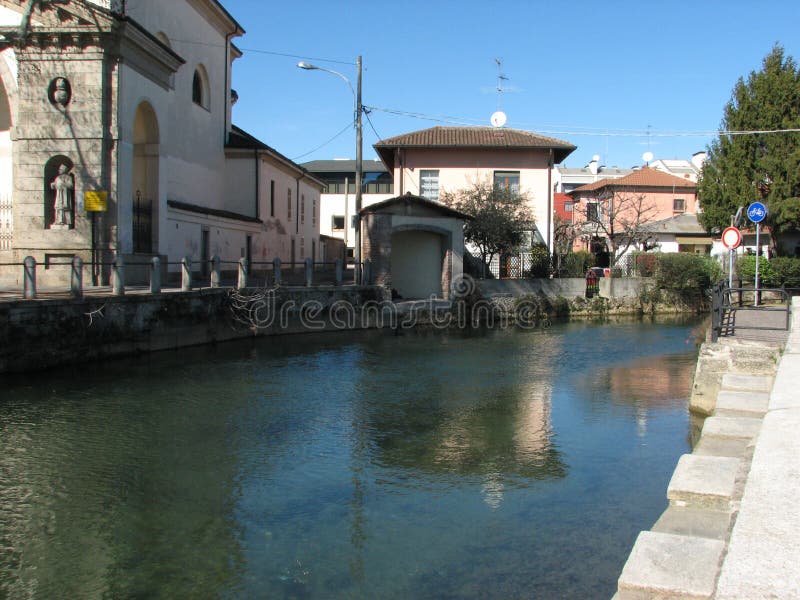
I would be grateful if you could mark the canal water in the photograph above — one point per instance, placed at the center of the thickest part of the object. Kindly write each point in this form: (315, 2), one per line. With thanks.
(504, 464)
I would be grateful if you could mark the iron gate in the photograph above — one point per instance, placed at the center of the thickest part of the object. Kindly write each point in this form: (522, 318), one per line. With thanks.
(142, 225)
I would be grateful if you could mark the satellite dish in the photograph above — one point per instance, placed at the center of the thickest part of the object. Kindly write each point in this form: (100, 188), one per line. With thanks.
(498, 119)
(647, 157)
(596, 158)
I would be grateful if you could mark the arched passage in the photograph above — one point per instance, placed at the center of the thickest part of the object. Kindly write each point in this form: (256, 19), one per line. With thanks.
(418, 262)
(6, 170)
(145, 180)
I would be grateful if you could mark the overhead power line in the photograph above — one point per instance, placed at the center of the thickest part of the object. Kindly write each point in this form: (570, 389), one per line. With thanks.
(588, 131)
(321, 146)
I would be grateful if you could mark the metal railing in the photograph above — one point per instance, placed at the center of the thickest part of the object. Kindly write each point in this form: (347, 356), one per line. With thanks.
(769, 309)
(214, 273)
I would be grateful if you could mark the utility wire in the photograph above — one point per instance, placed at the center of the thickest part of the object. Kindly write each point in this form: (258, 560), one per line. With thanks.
(345, 128)
(366, 114)
(590, 131)
(270, 52)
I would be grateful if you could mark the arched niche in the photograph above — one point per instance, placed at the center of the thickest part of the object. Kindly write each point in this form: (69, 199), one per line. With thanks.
(51, 173)
(200, 87)
(145, 192)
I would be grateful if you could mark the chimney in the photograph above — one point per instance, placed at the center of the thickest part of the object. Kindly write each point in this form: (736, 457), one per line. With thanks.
(593, 166)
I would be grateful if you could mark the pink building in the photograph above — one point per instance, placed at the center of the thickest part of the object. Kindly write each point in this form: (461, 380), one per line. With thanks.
(431, 161)
(613, 214)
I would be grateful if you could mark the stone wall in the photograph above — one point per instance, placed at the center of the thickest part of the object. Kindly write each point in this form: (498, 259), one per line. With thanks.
(612, 288)
(45, 333)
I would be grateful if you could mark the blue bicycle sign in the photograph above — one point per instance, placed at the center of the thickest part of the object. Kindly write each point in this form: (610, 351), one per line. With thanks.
(756, 212)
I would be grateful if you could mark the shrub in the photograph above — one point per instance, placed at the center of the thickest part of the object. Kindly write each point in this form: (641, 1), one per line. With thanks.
(645, 263)
(786, 270)
(688, 277)
(575, 264)
(746, 269)
(540, 262)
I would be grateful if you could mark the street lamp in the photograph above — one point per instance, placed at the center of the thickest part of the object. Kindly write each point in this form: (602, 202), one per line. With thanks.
(359, 165)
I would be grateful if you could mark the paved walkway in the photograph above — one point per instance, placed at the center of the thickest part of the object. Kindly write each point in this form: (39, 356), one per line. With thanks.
(742, 323)
(732, 529)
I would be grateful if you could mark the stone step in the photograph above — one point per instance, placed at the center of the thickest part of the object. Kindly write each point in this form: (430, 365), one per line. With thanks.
(703, 482)
(732, 403)
(695, 522)
(731, 427)
(746, 383)
(717, 446)
(666, 565)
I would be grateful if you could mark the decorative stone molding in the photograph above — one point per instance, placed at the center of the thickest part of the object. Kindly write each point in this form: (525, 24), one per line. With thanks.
(60, 92)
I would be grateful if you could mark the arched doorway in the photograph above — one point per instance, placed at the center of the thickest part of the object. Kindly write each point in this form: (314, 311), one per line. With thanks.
(145, 193)
(6, 171)
(417, 263)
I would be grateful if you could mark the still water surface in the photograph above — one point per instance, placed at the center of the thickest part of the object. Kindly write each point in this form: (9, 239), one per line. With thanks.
(501, 465)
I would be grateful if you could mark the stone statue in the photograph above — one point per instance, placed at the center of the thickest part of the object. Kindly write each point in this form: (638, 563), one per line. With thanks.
(63, 205)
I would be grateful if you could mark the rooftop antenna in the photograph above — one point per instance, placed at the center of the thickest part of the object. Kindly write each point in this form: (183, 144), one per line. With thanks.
(499, 118)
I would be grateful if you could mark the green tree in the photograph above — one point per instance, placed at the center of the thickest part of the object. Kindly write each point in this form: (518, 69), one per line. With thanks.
(500, 217)
(742, 168)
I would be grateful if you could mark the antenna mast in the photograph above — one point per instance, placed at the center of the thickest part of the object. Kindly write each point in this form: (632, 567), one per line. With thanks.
(500, 79)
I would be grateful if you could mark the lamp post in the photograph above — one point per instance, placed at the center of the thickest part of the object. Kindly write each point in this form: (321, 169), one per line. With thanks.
(359, 162)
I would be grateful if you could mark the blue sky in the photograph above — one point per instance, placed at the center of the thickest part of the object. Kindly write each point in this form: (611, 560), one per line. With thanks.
(573, 68)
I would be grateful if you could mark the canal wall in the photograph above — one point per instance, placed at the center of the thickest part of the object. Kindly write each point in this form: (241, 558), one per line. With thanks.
(732, 528)
(36, 334)
(612, 288)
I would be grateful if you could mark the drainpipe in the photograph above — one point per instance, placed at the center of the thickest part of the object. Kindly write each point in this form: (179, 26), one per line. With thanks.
(297, 203)
(258, 182)
(402, 172)
(227, 86)
(550, 201)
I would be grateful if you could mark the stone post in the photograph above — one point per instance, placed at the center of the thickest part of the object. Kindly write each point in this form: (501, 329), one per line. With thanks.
(276, 270)
(309, 271)
(118, 276)
(186, 274)
(241, 282)
(155, 275)
(366, 276)
(339, 271)
(76, 278)
(216, 274)
(29, 278)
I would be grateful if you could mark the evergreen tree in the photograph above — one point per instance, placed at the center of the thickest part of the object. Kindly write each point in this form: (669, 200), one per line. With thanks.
(741, 169)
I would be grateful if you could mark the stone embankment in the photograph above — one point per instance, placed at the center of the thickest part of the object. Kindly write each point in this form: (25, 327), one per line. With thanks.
(732, 528)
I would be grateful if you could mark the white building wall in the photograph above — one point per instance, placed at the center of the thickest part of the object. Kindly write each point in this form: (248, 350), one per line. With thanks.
(344, 205)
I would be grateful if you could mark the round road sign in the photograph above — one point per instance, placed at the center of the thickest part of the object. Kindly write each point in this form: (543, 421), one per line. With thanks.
(731, 238)
(757, 212)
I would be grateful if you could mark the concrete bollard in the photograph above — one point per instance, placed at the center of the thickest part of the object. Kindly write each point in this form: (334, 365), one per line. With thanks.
(29, 278)
(309, 271)
(241, 282)
(118, 276)
(216, 271)
(186, 274)
(76, 277)
(155, 275)
(339, 271)
(366, 275)
(276, 271)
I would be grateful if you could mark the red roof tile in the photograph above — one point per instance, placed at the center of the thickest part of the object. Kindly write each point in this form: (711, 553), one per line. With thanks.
(644, 177)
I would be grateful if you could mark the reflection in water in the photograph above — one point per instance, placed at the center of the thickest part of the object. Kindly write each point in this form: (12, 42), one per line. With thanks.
(359, 465)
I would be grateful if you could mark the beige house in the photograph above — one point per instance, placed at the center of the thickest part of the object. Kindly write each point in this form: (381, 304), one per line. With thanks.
(430, 161)
(133, 101)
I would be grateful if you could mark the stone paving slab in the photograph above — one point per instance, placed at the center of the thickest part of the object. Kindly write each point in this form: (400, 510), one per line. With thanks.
(697, 522)
(747, 383)
(731, 427)
(733, 403)
(703, 481)
(667, 566)
(786, 390)
(717, 446)
(764, 554)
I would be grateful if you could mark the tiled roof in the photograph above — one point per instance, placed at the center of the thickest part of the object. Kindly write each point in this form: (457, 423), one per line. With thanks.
(685, 224)
(409, 198)
(343, 166)
(641, 178)
(476, 137)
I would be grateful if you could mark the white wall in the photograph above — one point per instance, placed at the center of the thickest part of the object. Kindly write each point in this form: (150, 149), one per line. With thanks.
(334, 204)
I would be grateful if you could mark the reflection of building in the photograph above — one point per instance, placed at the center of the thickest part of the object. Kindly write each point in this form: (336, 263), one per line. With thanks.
(134, 99)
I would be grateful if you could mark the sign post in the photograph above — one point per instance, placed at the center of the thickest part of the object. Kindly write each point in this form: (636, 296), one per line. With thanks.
(95, 201)
(757, 212)
(731, 238)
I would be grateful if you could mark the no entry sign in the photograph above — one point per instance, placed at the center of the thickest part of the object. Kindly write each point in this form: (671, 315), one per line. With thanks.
(731, 238)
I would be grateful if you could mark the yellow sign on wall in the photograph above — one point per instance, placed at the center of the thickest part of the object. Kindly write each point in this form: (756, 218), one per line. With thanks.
(95, 201)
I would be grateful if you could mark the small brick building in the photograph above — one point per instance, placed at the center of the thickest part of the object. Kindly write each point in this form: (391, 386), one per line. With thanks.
(416, 246)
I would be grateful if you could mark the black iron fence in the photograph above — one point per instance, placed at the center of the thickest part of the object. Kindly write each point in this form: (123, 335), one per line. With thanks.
(748, 309)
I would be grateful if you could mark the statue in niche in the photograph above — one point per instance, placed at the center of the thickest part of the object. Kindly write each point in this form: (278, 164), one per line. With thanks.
(63, 205)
